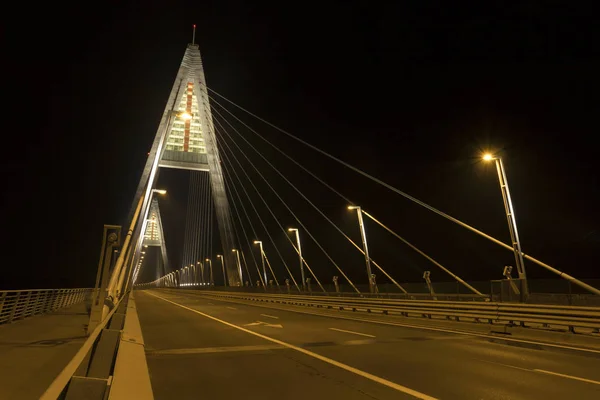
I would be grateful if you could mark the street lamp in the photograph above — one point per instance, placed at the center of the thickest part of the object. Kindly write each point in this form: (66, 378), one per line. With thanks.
(262, 259)
(363, 235)
(201, 272)
(184, 115)
(211, 271)
(510, 216)
(192, 274)
(237, 253)
(223, 266)
(299, 256)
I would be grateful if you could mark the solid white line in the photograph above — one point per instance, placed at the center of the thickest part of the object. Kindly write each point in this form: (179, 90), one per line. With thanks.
(269, 316)
(348, 368)
(567, 376)
(355, 333)
(429, 328)
(232, 308)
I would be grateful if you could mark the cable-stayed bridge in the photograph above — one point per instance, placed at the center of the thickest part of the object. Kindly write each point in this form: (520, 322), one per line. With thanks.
(279, 288)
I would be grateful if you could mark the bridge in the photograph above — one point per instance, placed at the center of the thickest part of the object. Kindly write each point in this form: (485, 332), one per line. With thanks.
(273, 299)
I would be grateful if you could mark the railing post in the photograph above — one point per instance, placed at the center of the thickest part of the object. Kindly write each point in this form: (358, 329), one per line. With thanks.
(28, 302)
(374, 288)
(14, 307)
(57, 299)
(43, 305)
(336, 284)
(2, 301)
(64, 298)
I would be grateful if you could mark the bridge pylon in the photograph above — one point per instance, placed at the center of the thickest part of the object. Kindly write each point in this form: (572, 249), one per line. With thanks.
(186, 140)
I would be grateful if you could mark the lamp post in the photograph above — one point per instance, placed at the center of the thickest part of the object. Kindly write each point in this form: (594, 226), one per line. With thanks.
(201, 272)
(295, 230)
(262, 259)
(510, 217)
(237, 253)
(363, 235)
(223, 266)
(209, 261)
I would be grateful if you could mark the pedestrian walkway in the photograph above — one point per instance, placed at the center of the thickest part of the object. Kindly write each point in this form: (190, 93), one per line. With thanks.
(35, 350)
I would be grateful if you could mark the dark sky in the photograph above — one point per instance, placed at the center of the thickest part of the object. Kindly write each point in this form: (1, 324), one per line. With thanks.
(409, 93)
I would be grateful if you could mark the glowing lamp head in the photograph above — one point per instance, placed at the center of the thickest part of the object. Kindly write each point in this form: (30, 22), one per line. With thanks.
(160, 191)
(353, 207)
(185, 115)
(257, 242)
(488, 157)
(207, 259)
(292, 229)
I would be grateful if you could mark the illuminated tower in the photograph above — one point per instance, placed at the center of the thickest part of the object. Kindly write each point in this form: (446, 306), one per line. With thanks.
(154, 236)
(185, 139)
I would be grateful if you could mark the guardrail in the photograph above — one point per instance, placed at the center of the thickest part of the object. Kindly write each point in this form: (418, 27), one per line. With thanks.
(20, 304)
(111, 363)
(491, 312)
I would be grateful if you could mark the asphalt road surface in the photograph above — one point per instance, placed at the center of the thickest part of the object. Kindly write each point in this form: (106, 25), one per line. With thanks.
(201, 348)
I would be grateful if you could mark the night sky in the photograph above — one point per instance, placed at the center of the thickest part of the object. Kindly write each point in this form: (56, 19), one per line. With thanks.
(411, 94)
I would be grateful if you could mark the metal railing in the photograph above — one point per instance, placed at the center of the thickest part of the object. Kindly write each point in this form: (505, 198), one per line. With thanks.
(20, 304)
(541, 291)
(491, 312)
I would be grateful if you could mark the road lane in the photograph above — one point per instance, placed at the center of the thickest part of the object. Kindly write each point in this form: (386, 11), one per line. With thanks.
(439, 364)
(494, 332)
(191, 357)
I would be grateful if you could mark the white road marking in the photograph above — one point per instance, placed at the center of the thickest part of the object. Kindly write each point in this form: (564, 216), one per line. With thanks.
(262, 323)
(543, 371)
(328, 360)
(505, 365)
(269, 316)
(567, 376)
(429, 328)
(232, 308)
(273, 325)
(355, 333)
(199, 350)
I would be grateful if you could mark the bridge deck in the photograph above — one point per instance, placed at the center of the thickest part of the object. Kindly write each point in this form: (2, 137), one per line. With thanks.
(35, 350)
(192, 355)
